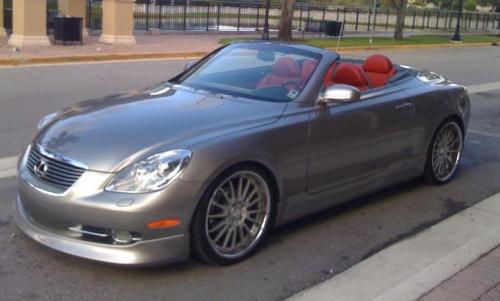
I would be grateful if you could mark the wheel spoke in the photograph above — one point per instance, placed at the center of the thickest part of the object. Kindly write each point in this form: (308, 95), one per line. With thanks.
(220, 215)
(231, 189)
(227, 197)
(249, 197)
(226, 239)
(221, 233)
(218, 205)
(217, 227)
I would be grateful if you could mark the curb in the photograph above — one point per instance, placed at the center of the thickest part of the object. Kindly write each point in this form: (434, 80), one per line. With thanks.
(409, 47)
(409, 269)
(98, 58)
(182, 55)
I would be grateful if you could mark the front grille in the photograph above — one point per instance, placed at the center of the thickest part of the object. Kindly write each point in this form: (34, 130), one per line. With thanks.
(55, 172)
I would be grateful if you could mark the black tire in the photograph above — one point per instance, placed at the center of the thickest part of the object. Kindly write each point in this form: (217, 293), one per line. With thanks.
(431, 175)
(202, 247)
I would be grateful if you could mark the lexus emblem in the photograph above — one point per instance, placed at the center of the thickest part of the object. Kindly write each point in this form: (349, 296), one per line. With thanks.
(41, 168)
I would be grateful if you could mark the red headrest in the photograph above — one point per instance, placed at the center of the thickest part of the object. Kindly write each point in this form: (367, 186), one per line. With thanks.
(351, 74)
(307, 68)
(378, 63)
(286, 66)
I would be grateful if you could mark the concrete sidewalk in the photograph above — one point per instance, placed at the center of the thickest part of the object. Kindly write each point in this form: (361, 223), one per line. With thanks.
(479, 281)
(443, 262)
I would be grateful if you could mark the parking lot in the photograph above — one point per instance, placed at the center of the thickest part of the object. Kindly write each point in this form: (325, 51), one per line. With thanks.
(297, 255)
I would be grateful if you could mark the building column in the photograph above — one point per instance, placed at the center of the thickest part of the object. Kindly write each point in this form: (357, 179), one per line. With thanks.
(29, 23)
(74, 8)
(117, 22)
(3, 33)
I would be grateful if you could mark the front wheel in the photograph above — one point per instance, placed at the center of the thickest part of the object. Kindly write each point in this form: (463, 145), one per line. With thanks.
(233, 216)
(444, 152)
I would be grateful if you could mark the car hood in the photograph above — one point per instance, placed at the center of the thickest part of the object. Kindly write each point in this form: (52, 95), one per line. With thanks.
(109, 133)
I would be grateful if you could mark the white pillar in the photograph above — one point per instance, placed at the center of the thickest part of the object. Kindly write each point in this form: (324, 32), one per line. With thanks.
(118, 22)
(29, 23)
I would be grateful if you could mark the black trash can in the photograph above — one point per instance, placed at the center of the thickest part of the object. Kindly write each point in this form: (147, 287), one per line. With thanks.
(68, 30)
(314, 26)
(333, 28)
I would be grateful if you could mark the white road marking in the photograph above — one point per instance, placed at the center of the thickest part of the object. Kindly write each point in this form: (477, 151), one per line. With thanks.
(412, 267)
(483, 133)
(8, 167)
(483, 87)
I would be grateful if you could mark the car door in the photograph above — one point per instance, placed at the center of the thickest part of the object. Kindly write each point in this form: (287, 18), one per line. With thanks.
(358, 146)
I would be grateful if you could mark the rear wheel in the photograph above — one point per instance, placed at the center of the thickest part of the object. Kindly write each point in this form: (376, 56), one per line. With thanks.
(444, 152)
(233, 216)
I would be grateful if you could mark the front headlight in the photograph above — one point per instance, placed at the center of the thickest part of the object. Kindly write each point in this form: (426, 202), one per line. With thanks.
(46, 120)
(151, 174)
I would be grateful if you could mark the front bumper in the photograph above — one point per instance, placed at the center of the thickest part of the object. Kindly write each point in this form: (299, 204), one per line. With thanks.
(50, 217)
(156, 251)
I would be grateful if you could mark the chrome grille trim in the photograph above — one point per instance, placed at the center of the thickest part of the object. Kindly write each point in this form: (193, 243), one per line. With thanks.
(62, 172)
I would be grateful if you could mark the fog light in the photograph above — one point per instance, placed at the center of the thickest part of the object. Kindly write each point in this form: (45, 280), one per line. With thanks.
(122, 237)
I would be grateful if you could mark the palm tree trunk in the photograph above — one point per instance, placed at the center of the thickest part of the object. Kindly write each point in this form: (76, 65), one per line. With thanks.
(285, 28)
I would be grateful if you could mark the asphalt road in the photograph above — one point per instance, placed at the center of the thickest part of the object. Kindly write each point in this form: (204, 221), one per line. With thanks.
(296, 256)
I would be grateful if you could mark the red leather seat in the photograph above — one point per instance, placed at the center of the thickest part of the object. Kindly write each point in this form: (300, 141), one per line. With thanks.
(328, 80)
(353, 75)
(307, 70)
(285, 69)
(379, 69)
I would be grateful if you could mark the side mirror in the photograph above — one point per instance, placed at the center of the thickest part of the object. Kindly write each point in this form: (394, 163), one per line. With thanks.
(338, 94)
(189, 65)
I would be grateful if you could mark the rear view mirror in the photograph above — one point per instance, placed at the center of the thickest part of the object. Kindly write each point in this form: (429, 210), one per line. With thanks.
(339, 93)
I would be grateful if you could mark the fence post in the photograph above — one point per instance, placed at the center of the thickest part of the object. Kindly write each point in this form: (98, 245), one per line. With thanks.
(414, 18)
(300, 19)
(147, 14)
(208, 15)
(184, 16)
(218, 16)
(428, 19)
(239, 15)
(258, 16)
(423, 19)
(375, 19)
(308, 17)
(357, 18)
(338, 13)
(437, 20)
(387, 19)
(160, 15)
(369, 18)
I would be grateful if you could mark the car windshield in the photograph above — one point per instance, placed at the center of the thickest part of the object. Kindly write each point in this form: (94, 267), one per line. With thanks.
(258, 71)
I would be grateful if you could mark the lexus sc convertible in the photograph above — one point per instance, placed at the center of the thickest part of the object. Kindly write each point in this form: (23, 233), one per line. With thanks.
(252, 136)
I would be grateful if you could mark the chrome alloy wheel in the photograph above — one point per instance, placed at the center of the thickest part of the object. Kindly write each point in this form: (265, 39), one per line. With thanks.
(237, 214)
(446, 151)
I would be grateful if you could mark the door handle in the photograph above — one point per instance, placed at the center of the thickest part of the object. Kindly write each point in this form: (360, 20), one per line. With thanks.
(404, 107)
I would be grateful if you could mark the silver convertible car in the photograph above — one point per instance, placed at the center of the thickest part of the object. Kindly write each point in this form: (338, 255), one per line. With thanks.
(252, 136)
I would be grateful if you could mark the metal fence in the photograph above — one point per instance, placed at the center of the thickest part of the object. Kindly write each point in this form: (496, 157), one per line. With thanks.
(233, 16)
(180, 15)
